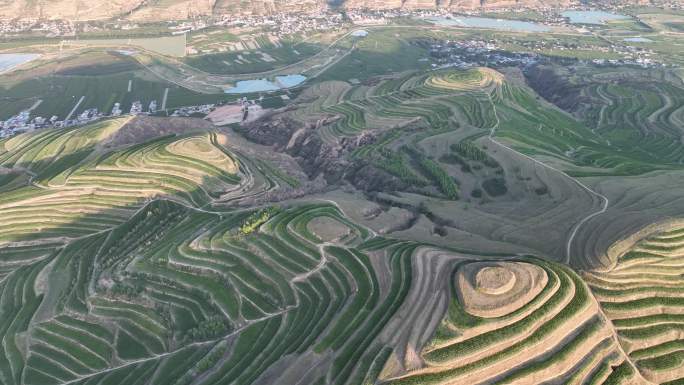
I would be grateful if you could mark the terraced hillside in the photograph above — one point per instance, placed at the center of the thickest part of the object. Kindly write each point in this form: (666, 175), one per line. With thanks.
(174, 293)
(520, 321)
(636, 112)
(480, 139)
(412, 228)
(401, 112)
(137, 263)
(116, 268)
(481, 102)
(641, 296)
(120, 267)
(69, 186)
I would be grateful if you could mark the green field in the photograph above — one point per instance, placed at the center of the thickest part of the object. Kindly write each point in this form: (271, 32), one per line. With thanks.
(266, 58)
(101, 86)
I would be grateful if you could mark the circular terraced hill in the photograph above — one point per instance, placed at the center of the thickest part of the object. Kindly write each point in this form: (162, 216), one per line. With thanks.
(522, 321)
(494, 289)
(471, 80)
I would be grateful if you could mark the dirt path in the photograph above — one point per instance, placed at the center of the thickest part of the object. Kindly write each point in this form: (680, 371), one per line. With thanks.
(603, 198)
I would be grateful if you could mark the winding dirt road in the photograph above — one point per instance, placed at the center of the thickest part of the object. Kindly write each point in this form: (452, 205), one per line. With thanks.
(605, 201)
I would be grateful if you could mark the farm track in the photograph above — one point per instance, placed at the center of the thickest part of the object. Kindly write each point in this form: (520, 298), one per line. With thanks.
(605, 201)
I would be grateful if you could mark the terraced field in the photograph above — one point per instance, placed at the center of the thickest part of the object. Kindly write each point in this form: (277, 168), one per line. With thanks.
(143, 271)
(641, 295)
(77, 189)
(519, 321)
(634, 115)
(144, 285)
(398, 101)
(628, 139)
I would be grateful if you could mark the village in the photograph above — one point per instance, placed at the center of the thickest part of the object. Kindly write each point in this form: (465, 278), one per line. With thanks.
(280, 24)
(24, 121)
(275, 28)
(238, 111)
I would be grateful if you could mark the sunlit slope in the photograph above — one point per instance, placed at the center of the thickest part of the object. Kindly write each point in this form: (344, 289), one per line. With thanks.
(642, 295)
(519, 322)
(177, 282)
(75, 186)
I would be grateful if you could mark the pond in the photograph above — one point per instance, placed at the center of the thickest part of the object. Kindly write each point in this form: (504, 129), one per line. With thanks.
(165, 45)
(592, 17)
(485, 22)
(264, 85)
(9, 61)
(638, 40)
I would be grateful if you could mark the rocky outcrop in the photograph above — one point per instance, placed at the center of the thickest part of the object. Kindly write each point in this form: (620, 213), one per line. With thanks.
(320, 159)
(175, 10)
(555, 88)
(313, 155)
(67, 9)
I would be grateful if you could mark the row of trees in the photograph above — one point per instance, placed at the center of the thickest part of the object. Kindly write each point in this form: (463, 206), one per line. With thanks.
(471, 151)
(254, 221)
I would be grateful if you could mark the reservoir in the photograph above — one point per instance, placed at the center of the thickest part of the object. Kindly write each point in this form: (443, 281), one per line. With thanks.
(592, 17)
(489, 23)
(264, 85)
(9, 61)
(638, 40)
(165, 45)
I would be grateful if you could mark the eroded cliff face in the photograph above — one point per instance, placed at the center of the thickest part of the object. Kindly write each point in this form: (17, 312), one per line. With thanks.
(150, 10)
(67, 9)
(154, 10)
(172, 10)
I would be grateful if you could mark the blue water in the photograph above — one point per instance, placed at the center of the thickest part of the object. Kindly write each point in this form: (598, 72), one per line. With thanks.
(485, 22)
(288, 81)
(263, 85)
(12, 60)
(592, 17)
(638, 40)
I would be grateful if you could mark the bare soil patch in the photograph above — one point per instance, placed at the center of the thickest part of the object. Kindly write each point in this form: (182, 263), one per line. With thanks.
(494, 289)
(328, 229)
(144, 128)
(226, 115)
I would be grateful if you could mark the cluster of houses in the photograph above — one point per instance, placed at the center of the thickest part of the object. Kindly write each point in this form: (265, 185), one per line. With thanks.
(286, 24)
(24, 122)
(469, 53)
(47, 28)
(202, 109)
(628, 54)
